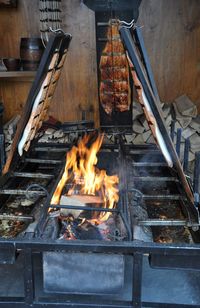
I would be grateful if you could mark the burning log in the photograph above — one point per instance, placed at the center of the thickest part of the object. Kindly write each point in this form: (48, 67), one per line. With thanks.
(78, 200)
(73, 229)
(81, 170)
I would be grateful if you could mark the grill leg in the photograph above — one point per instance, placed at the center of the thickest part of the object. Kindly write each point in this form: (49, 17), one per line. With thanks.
(28, 276)
(137, 279)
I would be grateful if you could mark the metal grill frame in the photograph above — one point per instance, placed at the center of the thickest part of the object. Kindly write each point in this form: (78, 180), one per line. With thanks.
(135, 249)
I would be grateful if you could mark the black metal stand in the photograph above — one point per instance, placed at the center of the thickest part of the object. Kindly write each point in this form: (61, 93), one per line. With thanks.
(2, 140)
(153, 102)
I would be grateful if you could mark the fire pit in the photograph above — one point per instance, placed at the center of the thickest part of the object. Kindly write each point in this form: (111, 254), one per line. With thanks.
(88, 189)
(93, 270)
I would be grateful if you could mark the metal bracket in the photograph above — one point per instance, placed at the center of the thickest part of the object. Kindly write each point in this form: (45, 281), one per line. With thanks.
(7, 253)
(141, 75)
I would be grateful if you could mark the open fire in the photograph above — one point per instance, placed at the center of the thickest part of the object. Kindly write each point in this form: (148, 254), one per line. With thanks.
(87, 184)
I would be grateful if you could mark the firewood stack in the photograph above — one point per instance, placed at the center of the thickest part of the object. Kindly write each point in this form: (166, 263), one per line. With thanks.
(183, 111)
(52, 135)
(9, 130)
(189, 121)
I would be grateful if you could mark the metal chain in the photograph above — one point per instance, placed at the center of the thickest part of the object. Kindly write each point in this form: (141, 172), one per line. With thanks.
(50, 17)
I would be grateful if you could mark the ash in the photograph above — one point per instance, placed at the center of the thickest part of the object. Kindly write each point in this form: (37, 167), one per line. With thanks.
(80, 228)
(139, 212)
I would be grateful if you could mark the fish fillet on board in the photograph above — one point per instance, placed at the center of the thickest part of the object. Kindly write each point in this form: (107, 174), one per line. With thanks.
(115, 92)
(37, 107)
(42, 111)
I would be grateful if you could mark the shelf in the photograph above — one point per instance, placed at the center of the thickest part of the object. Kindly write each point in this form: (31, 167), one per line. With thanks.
(17, 75)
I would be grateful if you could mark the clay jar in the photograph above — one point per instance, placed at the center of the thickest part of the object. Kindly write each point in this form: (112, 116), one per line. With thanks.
(31, 50)
(12, 64)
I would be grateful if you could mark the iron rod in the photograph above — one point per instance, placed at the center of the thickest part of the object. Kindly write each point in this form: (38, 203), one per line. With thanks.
(14, 217)
(43, 161)
(149, 164)
(163, 197)
(155, 178)
(50, 149)
(33, 175)
(102, 24)
(84, 208)
(166, 222)
(137, 280)
(172, 130)
(21, 192)
(29, 289)
(143, 151)
(178, 141)
(186, 154)
(102, 39)
(2, 152)
(196, 182)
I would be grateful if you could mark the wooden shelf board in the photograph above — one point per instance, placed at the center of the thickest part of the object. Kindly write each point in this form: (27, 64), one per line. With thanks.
(15, 75)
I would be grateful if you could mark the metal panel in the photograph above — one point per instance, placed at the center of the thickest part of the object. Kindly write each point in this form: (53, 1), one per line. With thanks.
(7, 254)
(83, 272)
(174, 262)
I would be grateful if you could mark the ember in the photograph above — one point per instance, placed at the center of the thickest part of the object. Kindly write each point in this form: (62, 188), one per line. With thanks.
(86, 178)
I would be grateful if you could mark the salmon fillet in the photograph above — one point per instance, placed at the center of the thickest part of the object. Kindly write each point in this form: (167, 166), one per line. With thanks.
(115, 92)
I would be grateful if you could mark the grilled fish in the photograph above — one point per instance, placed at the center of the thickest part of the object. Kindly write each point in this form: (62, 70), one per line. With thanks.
(115, 93)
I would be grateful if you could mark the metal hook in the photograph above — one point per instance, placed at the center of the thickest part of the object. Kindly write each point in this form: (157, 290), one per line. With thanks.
(128, 25)
(59, 31)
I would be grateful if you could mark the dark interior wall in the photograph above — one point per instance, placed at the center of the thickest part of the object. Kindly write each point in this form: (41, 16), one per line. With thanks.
(171, 30)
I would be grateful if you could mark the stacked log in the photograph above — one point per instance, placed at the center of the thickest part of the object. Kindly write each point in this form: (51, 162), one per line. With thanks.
(188, 120)
(55, 135)
(183, 112)
(9, 130)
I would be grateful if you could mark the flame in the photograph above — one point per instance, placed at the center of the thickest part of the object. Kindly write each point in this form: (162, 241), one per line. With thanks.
(81, 169)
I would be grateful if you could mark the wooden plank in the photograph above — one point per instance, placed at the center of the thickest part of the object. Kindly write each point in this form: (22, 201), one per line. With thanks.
(18, 75)
(171, 31)
(78, 89)
(79, 201)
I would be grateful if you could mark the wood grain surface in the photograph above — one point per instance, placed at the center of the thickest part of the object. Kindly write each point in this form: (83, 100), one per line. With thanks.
(171, 31)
